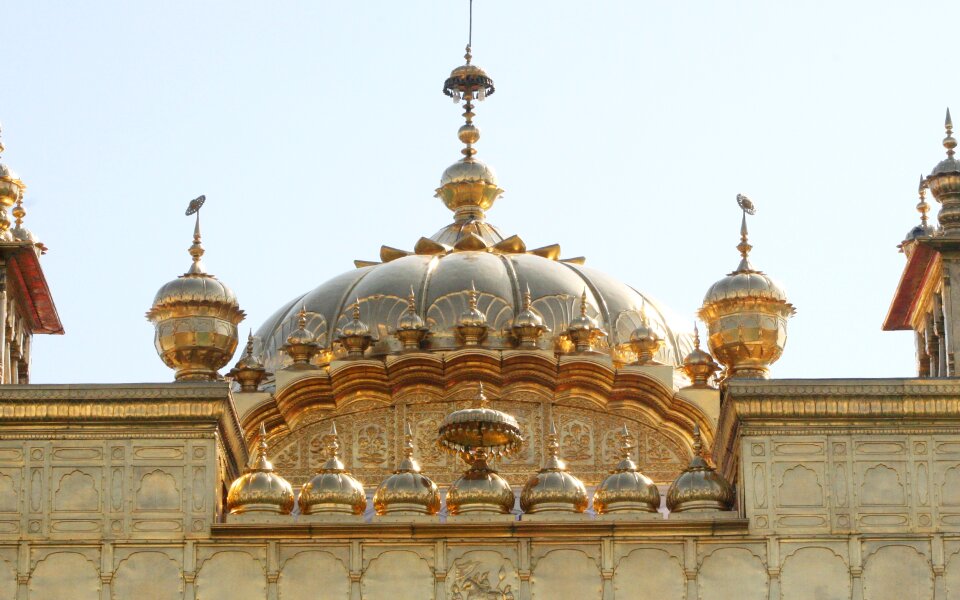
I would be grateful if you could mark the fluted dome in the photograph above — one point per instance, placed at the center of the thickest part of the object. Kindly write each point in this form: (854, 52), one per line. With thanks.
(745, 283)
(553, 488)
(626, 489)
(260, 489)
(480, 490)
(333, 489)
(407, 491)
(248, 371)
(700, 487)
(468, 170)
(195, 317)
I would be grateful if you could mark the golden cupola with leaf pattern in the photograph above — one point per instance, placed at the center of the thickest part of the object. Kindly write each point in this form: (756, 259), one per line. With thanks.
(195, 317)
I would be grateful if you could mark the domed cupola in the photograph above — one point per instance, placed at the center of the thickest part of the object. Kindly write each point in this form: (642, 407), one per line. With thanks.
(248, 371)
(700, 487)
(260, 489)
(301, 346)
(195, 317)
(472, 323)
(355, 336)
(411, 330)
(944, 184)
(553, 488)
(527, 326)
(645, 342)
(333, 490)
(407, 491)
(583, 330)
(746, 313)
(699, 366)
(626, 489)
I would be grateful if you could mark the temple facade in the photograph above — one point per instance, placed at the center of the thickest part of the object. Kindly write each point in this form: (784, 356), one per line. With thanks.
(473, 419)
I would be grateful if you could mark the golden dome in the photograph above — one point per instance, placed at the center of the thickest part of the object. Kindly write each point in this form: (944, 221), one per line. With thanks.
(699, 366)
(355, 334)
(746, 313)
(626, 489)
(552, 488)
(333, 489)
(259, 489)
(944, 182)
(411, 330)
(480, 490)
(527, 326)
(472, 323)
(700, 488)
(645, 342)
(248, 371)
(583, 330)
(468, 170)
(407, 491)
(301, 345)
(195, 317)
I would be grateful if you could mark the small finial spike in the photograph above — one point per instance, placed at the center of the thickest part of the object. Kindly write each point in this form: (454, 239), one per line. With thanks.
(583, 303)
(263, 432)
(481, 397)
(196, 249)
(302, 317)
(949, 142)
(356, 310)
(407, 440)
(333, 446)
(552, 442)
(923, 207)
(696, 336)
(697, 441)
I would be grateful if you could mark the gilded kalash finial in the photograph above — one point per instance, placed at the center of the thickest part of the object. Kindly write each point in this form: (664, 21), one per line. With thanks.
(699, 366)
(528, 326)
(583, 330)
(407, 491)
(355, 336)
(475, 434)
(248, 371)
(472, 327)
(626, 489)
(924, 229)
(645, 341)
(552, 488)
(700, 488)
(301, 345)
(195, 317)
(944, 183)
(260, 489)
(11, 191)
(468, 187)
(411, 330)
(332, 490)
(746, 313)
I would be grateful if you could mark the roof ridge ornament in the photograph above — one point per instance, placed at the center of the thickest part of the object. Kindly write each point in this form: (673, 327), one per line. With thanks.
(748, 208)
(196, 249)
(949, 142)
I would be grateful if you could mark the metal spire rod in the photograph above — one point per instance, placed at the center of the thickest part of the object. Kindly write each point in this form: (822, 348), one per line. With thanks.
(470, 31)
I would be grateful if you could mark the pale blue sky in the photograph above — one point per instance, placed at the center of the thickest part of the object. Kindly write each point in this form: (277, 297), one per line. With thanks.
(621, 130)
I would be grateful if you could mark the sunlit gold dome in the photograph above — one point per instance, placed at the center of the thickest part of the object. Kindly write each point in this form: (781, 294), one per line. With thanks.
(480, 490)
(471, 250)
(646, 342)
(407, 491)
(260, 489)
(195, 317)
(553, 488)
(333, 489)
(248, 371)
(699, 366)
(626, 489)
(700, 487)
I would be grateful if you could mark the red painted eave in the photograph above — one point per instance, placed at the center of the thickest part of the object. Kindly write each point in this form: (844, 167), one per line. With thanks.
(908, 291)
(26, 279)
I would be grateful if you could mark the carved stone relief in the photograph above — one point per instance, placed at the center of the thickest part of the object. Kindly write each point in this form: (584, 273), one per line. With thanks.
(483, 575)
(882, 486)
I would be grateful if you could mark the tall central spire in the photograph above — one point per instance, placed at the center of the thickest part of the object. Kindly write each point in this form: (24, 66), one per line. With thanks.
(468, 187)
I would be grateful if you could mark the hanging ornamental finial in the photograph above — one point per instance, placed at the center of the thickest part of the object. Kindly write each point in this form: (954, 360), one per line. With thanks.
(949, 142)
(196, 249)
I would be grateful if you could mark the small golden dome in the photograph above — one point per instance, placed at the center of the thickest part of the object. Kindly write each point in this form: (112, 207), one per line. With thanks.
(626, 489)
(411, 330)
(468, 170)
(248, 371)
(700, 488)
(699, 366)
(355, 335)
(260, 489)
(333, 489)
(195, 317)
(480, 490)
(645, 342)
(472, 325)
(746, 313)
(407, 491)
(553, 488)
(583, 331)
(528, 326)
(301, 346)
